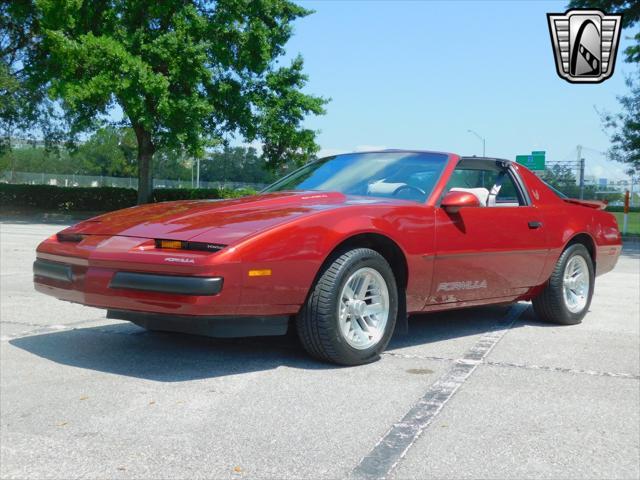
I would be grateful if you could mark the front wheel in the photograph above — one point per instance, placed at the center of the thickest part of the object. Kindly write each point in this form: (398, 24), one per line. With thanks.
(351, 312)
(567, 295)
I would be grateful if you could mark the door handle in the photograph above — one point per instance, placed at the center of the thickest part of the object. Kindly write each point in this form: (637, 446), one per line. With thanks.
(535, 224)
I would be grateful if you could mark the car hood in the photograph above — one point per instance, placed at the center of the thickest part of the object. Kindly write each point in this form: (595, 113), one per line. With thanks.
(223, 221)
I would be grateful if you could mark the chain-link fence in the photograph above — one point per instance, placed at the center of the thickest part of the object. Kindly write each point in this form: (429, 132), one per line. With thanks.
(65, 180)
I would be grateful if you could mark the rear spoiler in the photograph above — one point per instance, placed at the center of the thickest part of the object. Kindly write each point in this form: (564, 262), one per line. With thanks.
(597, 204)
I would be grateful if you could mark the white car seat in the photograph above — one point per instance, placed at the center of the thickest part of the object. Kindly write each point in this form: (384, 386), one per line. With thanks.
(482, 194)
(382, 188)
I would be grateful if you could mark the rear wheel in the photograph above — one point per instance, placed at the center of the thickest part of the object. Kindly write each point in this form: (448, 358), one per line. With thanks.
(566, 298)
(351, 312)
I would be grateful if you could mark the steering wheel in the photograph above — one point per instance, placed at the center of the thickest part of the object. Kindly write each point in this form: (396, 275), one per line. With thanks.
(409, 187)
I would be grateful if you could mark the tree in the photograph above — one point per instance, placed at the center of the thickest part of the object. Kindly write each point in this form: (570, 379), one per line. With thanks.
(24, 106)
(562, 178)
(11, 99)
(187, 75)
(171, 164)
(236, 164)
(625, 128)
(559, 177)
(630, 10)
(9, 113)
(109, 152)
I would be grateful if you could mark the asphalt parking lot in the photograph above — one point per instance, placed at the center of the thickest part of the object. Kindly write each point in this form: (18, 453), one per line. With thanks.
(479, 393)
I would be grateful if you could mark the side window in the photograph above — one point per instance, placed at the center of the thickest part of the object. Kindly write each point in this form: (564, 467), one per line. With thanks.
(494, 188)
(472, 178)
(508, 195)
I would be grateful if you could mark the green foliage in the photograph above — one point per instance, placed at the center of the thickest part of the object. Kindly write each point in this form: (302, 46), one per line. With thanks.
(172, 165)
(625, 128)
(110, 152)
(170, 194)
(186, 74)
(48, 197)
(281, 107)
(9, 106)
(633, 222)
(620, 209)
(11, 97)
(96, 199)
(559, 176)
(563, 179)
(630, 10)
(38, 159)
(605, 197)
(25, 108)
(238, 164)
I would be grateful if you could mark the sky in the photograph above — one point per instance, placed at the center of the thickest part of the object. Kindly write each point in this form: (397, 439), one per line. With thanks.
(420, 74)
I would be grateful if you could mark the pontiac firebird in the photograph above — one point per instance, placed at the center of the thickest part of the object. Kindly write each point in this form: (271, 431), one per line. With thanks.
(342, 250)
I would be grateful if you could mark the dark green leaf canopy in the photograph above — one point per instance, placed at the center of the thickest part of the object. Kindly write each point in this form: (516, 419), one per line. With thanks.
(624, 128)
(630, 10)
(186, 74)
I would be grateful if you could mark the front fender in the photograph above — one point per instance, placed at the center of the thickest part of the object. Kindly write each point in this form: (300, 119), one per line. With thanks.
(295, 252)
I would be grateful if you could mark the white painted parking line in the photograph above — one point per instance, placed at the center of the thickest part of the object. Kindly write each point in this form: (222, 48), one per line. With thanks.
(393, 446)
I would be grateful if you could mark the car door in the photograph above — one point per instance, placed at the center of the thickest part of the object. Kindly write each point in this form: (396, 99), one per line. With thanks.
(494, 251)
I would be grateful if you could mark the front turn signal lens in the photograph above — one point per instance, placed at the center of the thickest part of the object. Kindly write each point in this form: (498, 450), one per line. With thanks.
(260, 273)
(185, 245)
(169, 244)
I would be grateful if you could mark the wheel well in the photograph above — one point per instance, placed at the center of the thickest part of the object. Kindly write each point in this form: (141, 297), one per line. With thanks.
(587, 241)
(385, 247)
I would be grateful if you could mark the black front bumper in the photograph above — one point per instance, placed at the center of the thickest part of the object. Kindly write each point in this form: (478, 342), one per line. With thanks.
(52, 270)
(149, 282)
(219, 327)
(178, 285)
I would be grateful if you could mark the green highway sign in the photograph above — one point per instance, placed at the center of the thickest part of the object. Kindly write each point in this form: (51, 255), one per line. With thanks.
(534, 161)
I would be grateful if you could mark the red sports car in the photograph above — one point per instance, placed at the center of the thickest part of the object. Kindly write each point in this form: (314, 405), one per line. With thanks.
(342, 250)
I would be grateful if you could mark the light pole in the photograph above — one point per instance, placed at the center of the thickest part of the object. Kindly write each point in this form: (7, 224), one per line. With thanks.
(481, 138)
(195, 163)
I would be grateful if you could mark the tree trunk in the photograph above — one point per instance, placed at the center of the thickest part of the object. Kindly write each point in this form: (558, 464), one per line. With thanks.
(146, 149)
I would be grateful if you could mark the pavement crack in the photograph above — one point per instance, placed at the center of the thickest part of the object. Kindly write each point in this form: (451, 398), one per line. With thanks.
(575, 371)
(419, 357)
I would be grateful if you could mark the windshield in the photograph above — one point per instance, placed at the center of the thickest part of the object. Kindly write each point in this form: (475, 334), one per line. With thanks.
(402, 175)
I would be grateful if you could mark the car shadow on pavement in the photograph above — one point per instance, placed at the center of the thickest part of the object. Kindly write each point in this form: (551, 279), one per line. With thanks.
(427, 328)
(125, 349)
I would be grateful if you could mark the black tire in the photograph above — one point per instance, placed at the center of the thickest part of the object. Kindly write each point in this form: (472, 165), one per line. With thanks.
(550, 305)
(317, 323)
